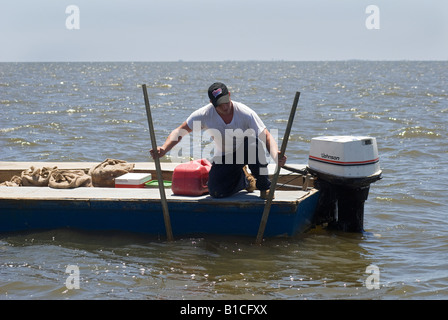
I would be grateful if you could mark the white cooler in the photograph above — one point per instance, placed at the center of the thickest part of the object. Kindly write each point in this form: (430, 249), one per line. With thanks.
(132, 180)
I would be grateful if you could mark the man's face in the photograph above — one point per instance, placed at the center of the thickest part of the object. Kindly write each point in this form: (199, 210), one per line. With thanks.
(225, 108)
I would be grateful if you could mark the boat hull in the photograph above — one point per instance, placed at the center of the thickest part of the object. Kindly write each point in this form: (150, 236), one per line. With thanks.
(140, 211)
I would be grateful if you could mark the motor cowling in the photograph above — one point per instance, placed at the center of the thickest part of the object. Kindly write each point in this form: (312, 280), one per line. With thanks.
(344, 167)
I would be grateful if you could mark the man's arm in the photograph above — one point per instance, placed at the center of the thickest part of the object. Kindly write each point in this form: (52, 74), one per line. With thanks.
(173, 139)
(272, 147)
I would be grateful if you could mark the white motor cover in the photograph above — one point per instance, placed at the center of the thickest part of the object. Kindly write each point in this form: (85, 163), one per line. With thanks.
(344, 156)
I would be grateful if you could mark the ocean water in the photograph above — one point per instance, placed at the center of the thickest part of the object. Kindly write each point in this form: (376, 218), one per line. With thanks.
(94, 111)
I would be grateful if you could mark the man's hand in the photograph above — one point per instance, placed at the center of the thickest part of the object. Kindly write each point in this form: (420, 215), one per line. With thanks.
(160, 152)
(282, 161)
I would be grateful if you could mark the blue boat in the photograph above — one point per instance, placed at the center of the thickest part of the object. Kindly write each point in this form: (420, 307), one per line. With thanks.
(139, 210)
(330, 191)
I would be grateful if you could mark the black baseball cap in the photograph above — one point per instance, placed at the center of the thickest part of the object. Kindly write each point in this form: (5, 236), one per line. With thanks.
(218, 94)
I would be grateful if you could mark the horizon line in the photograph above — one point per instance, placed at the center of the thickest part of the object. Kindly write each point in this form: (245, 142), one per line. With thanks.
(202, 61)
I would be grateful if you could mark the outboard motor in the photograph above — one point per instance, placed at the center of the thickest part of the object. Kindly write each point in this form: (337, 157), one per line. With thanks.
(344, 167)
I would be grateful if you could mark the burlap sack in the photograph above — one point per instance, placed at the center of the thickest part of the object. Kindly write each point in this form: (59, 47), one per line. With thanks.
(36, 176)
(67, 179)
(15, 181)
(104, 174)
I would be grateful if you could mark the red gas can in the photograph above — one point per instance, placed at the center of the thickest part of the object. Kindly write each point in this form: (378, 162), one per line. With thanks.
(190, 179)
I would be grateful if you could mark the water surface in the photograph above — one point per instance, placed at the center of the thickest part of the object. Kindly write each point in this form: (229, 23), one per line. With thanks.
(94, 111)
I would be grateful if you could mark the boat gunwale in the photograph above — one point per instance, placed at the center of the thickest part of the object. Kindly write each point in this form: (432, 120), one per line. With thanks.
(143, 195)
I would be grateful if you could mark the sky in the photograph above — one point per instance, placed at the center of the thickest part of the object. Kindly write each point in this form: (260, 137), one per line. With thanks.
(209, 30)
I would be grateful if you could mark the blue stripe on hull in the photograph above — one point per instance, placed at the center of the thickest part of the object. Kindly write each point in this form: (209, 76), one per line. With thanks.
(187, 218)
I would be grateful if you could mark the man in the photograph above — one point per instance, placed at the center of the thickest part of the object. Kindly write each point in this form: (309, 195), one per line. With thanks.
(237, 131)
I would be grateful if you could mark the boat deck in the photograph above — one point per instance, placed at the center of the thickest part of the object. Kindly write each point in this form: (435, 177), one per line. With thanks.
(129, 194)
(140, 209)
(9, 169)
